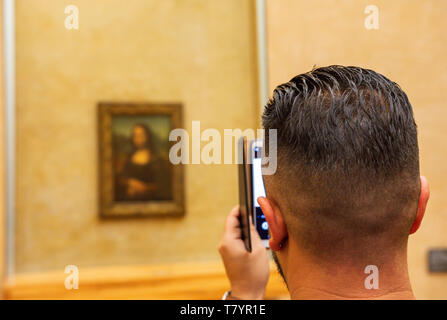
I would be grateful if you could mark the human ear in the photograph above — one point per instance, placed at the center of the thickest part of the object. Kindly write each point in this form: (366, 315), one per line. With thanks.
(422, 204)
(275, 220)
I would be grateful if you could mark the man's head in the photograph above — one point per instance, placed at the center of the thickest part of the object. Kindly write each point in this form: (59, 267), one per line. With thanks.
(347, 184)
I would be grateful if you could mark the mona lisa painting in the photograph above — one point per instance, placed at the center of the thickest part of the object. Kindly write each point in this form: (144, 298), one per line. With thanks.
(136, 176)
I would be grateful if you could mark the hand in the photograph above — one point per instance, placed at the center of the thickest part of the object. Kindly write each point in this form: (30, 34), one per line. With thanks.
(248, 272)
(135, 186)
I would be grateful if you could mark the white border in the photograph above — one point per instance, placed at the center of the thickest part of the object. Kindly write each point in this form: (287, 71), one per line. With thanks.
(9, 102)
(261, 36)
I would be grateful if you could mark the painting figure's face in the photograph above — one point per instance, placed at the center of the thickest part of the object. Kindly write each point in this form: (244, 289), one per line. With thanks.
(139, 137)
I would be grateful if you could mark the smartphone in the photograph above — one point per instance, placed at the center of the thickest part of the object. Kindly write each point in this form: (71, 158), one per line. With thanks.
(258, 190)
(245, 203)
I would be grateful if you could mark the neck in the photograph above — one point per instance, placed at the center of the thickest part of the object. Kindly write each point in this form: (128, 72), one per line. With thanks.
(310, 278)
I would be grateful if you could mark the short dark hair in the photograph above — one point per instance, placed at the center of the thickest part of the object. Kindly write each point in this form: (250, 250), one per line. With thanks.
(348, 152)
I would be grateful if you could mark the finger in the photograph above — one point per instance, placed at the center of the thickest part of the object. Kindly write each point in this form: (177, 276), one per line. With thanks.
(256, 239)
(235, 211)
(232, 224)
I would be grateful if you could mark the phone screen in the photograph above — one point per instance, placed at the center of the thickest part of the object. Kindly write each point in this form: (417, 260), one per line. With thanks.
(258, 191)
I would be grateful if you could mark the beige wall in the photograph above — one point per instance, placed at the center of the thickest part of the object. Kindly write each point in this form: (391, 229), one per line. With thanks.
(197, 52)
(410, 48)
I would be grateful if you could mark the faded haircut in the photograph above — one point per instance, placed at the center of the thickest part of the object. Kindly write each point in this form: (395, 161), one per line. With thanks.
(348, 163)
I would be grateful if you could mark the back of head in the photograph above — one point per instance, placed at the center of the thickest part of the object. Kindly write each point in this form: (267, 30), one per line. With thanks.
(347, 181)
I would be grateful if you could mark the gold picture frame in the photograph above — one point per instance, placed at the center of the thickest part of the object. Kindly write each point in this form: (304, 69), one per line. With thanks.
(136, 177)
